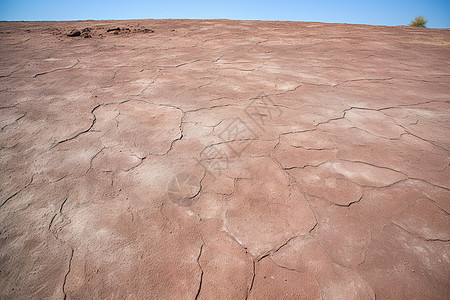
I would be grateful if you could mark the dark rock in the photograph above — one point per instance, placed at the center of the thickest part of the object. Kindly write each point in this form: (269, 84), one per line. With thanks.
(86, 35)
(74, 32)
(148, 30)
(87, 29)
(113, 29)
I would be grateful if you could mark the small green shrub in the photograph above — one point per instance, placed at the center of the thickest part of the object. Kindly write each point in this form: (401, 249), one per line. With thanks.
(419, 22)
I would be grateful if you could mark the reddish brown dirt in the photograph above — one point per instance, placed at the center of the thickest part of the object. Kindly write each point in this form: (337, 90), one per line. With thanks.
(224, 160)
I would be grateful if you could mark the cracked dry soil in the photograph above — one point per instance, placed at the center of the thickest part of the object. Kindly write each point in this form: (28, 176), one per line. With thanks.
(224, 160)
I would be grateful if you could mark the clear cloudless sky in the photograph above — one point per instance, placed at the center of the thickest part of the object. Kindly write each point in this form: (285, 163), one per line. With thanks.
(379, 12)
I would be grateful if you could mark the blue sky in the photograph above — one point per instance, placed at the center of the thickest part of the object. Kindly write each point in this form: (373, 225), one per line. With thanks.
(380, 12)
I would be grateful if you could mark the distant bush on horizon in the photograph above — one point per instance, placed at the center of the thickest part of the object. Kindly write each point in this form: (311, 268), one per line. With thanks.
(419, 21)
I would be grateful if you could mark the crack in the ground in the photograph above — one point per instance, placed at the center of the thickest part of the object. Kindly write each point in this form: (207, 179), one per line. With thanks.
(372, 165)
(83, 131)
(317, 125)
(16, 193)
(173, 141)
(369, 79)
(430, 199)
(399, 125)
(62, 205)
(201, 86)
(275, 250)
(92, 158)
(180, 65)
(307, 166)
(212, 107)
(231, 234)
(54, 216)
(420, 138)
(253, 280)
(201, 274)
(418, 236)
(149, 85)
(200, 186)
(237, 69)
(140, 162)
(10, 197)
(408, 105)
(284, 267)
(54, 70)
(314, 149)
(17, 119)
(216, 59)
(51, 222)
(120, 68)
(121, 102)
(67, 274)
(224, 143)
(350, 203)
(16, 70)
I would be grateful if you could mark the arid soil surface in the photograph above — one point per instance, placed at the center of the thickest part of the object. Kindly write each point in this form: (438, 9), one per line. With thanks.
(176, 159)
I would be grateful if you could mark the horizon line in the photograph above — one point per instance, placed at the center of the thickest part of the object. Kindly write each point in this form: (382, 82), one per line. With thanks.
(224, 19)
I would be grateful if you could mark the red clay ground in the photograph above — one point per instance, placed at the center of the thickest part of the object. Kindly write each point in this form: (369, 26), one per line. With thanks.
(224, 160)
